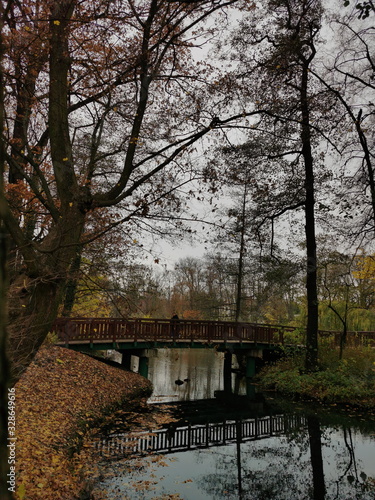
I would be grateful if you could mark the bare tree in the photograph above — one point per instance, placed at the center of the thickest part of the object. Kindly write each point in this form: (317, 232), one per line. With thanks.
(99, 109)
(278, 81)
(349, 77)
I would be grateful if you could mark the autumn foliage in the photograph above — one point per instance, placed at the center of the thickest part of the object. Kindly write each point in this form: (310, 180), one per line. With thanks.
(98, 114)
(60, 397)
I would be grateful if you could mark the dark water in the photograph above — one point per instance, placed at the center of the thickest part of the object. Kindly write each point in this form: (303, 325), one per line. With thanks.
(237, 448)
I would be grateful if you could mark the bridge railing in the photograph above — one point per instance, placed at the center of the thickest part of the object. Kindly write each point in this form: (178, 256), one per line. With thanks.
(145, 329)
(78, 330)
(353, 339)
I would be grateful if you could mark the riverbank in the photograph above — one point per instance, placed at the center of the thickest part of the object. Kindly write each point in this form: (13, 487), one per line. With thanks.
(349, 381)
(61, 397)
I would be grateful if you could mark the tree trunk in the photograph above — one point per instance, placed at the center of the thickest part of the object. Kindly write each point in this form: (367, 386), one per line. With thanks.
(71, 286)
(239, 301)
(36, 292)
(33, 307)
(311, 361)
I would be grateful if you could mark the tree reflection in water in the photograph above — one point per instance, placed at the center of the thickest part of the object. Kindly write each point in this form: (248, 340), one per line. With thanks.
(316, 462)
(315, 440)
(330, 458)
(292, 470)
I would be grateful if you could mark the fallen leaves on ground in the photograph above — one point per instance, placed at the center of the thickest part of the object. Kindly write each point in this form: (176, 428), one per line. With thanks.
(60, 397)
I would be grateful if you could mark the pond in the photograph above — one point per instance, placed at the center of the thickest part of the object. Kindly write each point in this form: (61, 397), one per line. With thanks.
(234, 447)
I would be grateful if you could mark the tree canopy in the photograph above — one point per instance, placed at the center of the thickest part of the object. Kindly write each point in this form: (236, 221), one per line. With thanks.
(97, 118)
(105, 102)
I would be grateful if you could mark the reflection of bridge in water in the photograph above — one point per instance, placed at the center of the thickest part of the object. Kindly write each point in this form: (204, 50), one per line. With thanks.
(190, 437)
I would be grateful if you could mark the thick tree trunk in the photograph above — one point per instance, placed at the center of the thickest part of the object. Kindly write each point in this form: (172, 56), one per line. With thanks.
(37, 292)
(311, 361)
(71, 286)
(33, 307)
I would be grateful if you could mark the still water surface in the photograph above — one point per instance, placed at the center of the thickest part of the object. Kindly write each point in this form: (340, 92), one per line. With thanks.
(238, 449)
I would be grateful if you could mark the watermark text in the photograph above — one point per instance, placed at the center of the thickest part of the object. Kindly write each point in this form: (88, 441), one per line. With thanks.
(12, 438)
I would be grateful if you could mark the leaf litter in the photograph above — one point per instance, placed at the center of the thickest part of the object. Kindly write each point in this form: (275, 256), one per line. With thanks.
(61, 397)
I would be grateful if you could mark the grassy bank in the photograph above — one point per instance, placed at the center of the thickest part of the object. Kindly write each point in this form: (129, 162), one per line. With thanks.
(60, 398)
(347, 381)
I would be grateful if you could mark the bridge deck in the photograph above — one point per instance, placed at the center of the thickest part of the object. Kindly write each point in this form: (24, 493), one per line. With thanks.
(80, 331)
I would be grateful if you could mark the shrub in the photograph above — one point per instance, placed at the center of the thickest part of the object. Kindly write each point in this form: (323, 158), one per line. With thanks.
(295, 337)
(349, 380)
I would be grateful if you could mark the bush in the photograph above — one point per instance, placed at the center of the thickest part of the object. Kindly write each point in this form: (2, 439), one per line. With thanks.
(295, 337)
(349, 380)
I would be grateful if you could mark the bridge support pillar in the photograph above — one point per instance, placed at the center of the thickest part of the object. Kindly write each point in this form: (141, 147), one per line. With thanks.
(143, 366)
(247, 361)
(251, 357)
(250, 389)
(250, 367)
(227, 372)
(126, 360)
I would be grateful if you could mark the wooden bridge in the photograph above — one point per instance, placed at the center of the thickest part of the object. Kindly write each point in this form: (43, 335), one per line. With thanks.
(145, 330)
(134, 337)
(190, 437)
(109, 333)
